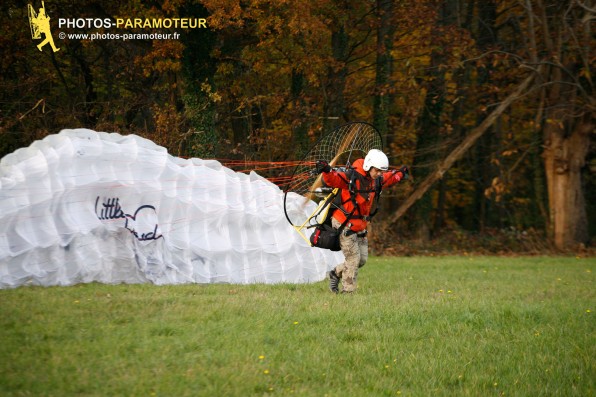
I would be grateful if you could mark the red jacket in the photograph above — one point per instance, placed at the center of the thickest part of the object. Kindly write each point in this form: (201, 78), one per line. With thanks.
(365, 188)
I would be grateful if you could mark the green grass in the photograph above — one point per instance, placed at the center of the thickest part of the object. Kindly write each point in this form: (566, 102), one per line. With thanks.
(418, 326)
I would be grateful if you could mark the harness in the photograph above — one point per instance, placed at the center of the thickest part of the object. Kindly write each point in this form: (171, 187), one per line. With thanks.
(364, 191)
(333, 201)
(325, 236)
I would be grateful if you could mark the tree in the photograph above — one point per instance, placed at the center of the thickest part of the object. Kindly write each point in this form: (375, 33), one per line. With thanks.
(561, 41)
(383, 98)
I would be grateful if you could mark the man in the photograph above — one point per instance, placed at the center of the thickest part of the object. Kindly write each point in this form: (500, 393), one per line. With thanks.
(359, 186)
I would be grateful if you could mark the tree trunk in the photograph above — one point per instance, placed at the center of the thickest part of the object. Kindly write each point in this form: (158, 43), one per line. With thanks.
(383, 92)
(569, 119)
(539, 180)
(383, 97)
(429, 135)
(299, 122)
(486, 38)
(337, 75)
(564, 157)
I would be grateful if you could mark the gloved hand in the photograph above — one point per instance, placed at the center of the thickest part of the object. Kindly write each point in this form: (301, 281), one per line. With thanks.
(405, 172)
(322, 166)
(401, 174)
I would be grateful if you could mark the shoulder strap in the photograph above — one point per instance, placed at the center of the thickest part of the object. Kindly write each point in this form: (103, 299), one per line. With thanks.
(378, 191)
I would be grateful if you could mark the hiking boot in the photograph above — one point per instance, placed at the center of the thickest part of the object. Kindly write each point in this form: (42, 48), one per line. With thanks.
(333, 281)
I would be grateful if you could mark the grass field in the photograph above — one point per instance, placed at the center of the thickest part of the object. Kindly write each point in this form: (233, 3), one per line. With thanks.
(418, 326)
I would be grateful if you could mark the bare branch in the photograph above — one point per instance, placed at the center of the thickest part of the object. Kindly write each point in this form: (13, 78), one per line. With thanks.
(585, 7)
(533, 46)
(511, 54)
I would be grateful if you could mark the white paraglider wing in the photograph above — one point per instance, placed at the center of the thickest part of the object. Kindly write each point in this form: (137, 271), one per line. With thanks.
(84, 206)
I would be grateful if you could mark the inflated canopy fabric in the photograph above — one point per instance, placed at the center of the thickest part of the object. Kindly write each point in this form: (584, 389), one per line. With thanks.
(83, 206)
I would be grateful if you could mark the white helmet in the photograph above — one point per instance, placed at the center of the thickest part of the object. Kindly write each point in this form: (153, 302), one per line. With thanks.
(376, 158)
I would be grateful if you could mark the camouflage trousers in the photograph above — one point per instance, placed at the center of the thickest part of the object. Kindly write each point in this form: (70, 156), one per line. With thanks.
(355, 250)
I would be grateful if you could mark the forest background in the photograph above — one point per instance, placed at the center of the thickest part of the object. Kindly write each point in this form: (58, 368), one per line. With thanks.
(491, 103)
